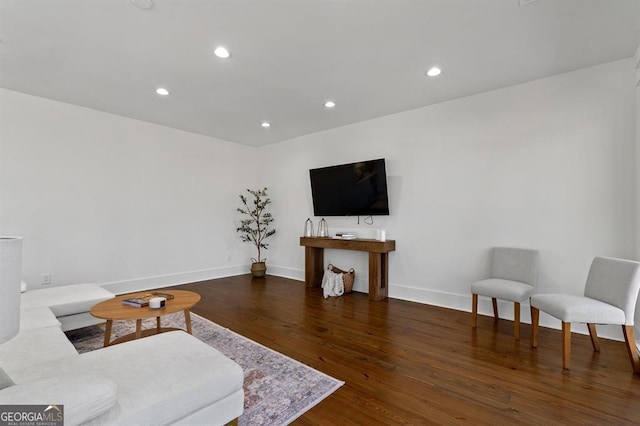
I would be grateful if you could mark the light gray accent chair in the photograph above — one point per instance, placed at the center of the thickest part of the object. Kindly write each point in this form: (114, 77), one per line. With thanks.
(610, 297)
(513, 276)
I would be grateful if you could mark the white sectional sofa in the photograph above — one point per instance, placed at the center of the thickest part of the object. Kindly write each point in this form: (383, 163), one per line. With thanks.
(170, 378)
(70, 303)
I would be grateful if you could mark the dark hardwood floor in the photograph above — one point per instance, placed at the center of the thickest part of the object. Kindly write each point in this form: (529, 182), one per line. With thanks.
(410, 363)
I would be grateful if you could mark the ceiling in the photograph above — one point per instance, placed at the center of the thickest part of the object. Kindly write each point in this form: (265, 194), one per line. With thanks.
(290, 56)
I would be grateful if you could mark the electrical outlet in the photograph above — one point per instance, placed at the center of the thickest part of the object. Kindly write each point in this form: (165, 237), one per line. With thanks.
(46, 279)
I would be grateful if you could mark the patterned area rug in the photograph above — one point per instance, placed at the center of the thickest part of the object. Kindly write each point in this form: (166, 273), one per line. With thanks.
(277, 389)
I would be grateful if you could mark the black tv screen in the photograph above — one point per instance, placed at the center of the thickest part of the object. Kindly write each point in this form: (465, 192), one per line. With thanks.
(354, 189)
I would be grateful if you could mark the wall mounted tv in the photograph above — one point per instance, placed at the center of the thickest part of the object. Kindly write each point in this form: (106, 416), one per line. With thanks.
(354, 189)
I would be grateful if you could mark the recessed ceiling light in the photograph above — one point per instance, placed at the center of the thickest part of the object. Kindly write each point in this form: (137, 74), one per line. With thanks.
(221, 52)
(330, 104)
(162, 91)
(434, 71)
(265, 124)
(143, 4)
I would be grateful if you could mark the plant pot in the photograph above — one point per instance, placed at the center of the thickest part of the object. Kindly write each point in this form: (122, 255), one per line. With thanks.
(258, 269)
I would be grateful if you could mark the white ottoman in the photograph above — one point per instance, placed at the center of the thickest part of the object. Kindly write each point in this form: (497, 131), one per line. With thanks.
(70, 303)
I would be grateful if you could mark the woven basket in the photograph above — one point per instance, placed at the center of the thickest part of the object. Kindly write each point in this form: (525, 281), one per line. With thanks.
(347, 277)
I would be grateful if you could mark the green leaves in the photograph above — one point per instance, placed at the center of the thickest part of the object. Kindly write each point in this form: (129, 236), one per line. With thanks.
(255, 229)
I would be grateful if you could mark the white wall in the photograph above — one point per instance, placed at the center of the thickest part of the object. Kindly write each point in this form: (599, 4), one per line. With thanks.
(548, 165)
(636, 70)
(637, 117)
(102, 198)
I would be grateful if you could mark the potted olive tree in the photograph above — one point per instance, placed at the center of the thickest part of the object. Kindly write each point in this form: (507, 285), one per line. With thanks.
(255, 228)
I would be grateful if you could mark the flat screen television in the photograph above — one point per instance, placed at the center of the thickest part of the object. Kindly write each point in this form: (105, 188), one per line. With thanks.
(354, 189)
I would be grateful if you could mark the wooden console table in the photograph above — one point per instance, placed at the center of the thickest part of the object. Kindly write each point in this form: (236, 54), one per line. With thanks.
(378, 261)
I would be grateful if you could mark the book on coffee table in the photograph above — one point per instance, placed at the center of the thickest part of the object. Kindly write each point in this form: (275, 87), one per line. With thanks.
(141, 302)
(138, 302)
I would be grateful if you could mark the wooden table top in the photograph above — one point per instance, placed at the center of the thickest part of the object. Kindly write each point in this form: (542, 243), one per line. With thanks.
(114, 309)
(360, 244)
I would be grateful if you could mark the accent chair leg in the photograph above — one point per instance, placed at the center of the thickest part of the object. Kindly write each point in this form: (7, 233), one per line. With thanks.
(566, 345)
(494, 301)
(474, 311)
(631, 347)
(594, 337)
(516, 320)
(535, 315)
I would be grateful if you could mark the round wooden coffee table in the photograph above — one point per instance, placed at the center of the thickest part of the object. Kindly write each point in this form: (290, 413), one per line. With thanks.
(115, 310)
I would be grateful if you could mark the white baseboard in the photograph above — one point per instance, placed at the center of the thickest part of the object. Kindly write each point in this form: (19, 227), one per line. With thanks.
(282, 271)
(159, 281)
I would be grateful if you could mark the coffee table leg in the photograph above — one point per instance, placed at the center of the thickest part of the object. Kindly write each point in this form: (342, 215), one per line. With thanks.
(107, 333)
(138, 328)
(158, 325)
(187, 320)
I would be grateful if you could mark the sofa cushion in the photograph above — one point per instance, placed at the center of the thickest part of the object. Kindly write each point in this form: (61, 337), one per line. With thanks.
(74, 322)
(5, 380)
(38, 317)
(32, 347)
(160, 379)
(178, 375)
(68, 299)
(84, 395)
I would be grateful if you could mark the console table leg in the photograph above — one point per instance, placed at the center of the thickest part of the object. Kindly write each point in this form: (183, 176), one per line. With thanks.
(378, 276)
(313, 266)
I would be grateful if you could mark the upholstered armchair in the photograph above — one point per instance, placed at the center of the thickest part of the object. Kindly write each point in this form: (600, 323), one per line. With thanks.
(610, 297)
(513, 276)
